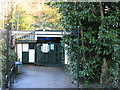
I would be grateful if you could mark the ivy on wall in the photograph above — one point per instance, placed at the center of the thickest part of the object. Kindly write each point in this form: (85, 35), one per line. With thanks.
(3, 65)
(99, 39)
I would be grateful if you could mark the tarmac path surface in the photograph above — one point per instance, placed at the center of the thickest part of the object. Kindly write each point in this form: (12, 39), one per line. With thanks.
(42, 77)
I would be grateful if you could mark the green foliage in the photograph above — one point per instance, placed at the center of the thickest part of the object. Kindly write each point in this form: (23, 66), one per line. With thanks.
(47, 18)
(20, 19)
(2, 70)
(100, 36)
(3, 67)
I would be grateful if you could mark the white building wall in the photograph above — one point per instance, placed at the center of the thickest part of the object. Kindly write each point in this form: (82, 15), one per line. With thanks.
(66, 56)
(31, 55)
(16, 48)
(25, 47)
(47, 32)
(19, 51)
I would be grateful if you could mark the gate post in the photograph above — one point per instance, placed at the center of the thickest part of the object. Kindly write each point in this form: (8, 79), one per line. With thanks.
(7, 59)
(78, 80)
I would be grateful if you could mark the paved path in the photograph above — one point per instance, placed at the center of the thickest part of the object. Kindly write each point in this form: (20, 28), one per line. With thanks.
(42, 77)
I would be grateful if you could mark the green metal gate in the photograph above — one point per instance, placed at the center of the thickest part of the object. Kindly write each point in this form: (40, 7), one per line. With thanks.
(54, 57)
(25, 57)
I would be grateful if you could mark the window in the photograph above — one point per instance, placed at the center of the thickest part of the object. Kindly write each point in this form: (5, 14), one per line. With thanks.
(31, 46)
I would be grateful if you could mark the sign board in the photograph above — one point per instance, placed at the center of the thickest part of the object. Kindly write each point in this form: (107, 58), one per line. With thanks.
(51, 46)
(45, 48)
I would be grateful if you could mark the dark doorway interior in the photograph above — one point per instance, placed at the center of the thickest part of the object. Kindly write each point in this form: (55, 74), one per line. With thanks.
(52, 57)
(25, 57)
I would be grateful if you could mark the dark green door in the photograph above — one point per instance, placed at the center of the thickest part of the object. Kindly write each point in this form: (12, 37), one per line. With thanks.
(25, 57)
(40, 56)
(52, 58)
(53, 54)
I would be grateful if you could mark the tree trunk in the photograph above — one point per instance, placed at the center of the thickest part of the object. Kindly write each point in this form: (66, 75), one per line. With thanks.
(82, 37)
(103, 77)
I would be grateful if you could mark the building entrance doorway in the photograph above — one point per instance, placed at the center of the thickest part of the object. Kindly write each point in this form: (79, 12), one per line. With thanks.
(49, 52)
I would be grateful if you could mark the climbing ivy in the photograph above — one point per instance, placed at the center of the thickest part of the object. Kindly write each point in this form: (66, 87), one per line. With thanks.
(3, 60)
(99, 39)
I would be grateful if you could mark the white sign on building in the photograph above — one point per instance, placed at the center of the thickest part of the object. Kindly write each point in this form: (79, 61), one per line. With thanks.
(51, 46)
(45, 48)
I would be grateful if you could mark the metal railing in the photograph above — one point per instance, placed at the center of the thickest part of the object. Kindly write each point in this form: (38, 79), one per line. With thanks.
(10, 77)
